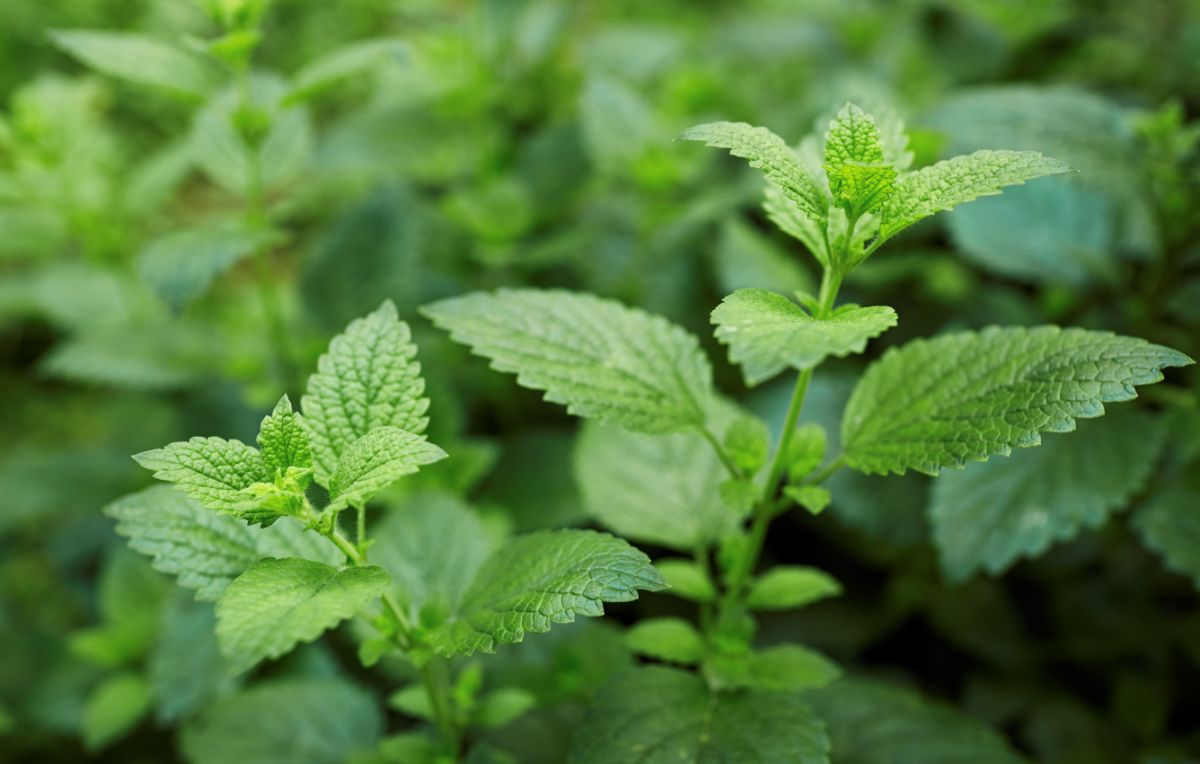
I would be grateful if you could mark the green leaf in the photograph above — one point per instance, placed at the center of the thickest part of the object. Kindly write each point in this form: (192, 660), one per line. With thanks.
(277, 603)
(769, 153)
(687, 580)
(859, 177)
(213, 471)
(806, 451)
(747, 442)
(413, 700)
(298, 721)
(504, 706)
(206, 550)
(989, 515)
(433, 546)
(343, 62)
(1170, 526)
(540, 579)
(368, 378)
(668, 639)
(872, 723)
(659, 715)
(140, 59)
(952, 182)
(766, 332)
(113, 709)
(784, 668)
(791, 586)
(745, 257)
(814, 498)
(282, 440)
(963, 397)
(658, 489)
(186, 669)
(375, 461)
(597, 357)
(181, 266)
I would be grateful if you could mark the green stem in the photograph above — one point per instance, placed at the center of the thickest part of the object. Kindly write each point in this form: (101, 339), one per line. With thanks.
(826, 471)
(721, 454)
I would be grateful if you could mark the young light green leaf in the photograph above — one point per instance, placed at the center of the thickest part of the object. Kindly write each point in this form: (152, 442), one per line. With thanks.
(375, 461)
(541, 579)
(790, 586)
(658, 715)
(859, 178)
(113, 709)
(814, 498)
(181, 266)
(298, 721)
(988, 515)
(806, 451)
(340, 63)
(504, 706)
(140, 59)
(658, 489)
(872, 723)
(766, 332)
(368, 378)
(599, 358)
(784, 668)
(279, 603)
(952, 182)
(213, 471)
(964, 397)
(668, 639)
(769, 153)
(747, 442)
(282, 440)
(1170, 526)
(687, 580)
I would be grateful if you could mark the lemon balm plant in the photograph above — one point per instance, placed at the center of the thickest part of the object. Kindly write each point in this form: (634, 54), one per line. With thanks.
(665, 460)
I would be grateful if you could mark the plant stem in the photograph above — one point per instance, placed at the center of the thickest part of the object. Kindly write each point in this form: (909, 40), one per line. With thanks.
(826, 471)
(721, 454)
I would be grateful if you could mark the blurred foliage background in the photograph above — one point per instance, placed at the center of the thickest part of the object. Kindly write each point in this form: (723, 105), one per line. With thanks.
(506, 142)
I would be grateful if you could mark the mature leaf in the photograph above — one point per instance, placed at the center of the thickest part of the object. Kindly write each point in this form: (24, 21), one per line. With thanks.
(282, 440)
(298, 721)
(687, 580)
(540, 579)
(341, 63)
(791, 586)
(784, 668)
(138, 58)
(369, 378)
(988, 515)
(790, 218)
(113, 709)
(872, 723)
(952, 182)
(1170, 525)
(744, 257)
(213, 471)
(277, 603)
(963, 397)
(617, 124)
(769, 153)
(658, 489)
(658, 715)
(375, 461)
(766, 332)
(668, 639)
(186, 669)
(155, 357)
(181, 266)
(432, 546)
(599, 358)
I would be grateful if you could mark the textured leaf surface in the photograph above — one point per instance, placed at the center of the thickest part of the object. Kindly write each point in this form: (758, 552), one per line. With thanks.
(297, 721)
(432, 546)
(277, 603)
(854, 163)
(282, 440)
(368, 378)
(872, 723)
(658, 489)
(952, 182)
(963, 397)
(769, 153)
(989, 515)
(766, 332)
(213, 471)
(663, 716)
(1170, 525)
(375, 461)
(138, 58)
(540, 579)
(597, 357)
